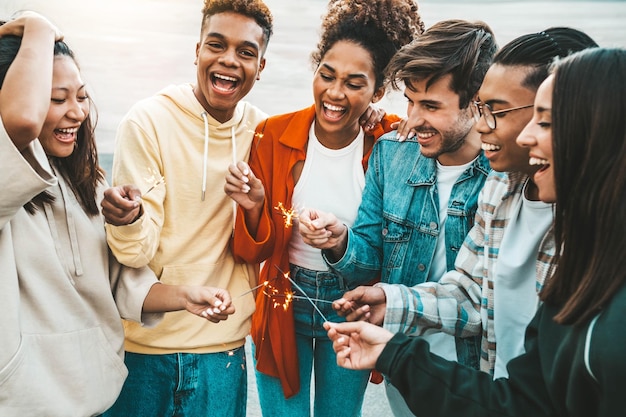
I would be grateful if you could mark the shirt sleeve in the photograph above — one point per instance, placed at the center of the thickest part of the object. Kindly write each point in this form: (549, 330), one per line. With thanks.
(451, 305)
(432, 385)
(136, 155)
(130, 286)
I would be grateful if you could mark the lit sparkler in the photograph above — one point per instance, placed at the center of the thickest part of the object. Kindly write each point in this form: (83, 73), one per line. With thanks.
(301, 297)
(155, 180)
(289, 215)
(264, 284)
(300, 289)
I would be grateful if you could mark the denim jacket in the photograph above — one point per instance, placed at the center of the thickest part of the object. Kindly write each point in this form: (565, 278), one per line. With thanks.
(395, 233)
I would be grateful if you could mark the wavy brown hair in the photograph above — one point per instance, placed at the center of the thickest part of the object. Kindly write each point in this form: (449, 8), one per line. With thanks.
(461, 48)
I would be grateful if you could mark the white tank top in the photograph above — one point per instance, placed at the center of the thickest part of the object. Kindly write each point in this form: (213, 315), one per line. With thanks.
(332, 181)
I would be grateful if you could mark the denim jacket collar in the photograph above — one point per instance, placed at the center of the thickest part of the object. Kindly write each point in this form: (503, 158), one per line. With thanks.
(424, 170)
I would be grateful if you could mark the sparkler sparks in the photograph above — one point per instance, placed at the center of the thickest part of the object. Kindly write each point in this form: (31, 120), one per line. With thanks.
(155, 179)
(300, 289)
(284, 298)
(288, 214)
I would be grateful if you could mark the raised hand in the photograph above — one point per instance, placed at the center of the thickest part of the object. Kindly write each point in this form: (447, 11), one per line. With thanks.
(244, 187)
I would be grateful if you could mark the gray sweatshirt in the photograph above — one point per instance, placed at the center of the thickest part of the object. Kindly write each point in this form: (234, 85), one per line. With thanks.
(62, 295)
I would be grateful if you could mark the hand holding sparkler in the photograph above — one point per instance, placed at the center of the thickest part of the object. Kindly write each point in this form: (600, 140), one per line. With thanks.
(357, 344)
(121, 205)
(366, 303)
(244, 187)
(323, 231)
(213, 304)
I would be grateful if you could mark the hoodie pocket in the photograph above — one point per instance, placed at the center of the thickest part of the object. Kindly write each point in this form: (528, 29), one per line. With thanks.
(77, 373)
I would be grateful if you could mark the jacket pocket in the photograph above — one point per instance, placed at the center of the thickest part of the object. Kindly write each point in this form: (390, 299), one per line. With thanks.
(396, 239)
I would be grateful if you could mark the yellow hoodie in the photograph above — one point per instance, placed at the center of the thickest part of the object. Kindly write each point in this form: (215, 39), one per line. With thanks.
(183, 237)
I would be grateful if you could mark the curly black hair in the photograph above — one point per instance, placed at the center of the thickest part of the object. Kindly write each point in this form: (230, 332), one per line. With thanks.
(381, 27)
(254, 9)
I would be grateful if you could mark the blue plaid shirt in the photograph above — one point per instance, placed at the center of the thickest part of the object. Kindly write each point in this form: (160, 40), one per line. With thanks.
(461, 303)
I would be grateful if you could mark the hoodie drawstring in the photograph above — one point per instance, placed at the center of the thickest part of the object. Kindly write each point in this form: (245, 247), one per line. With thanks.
(234, 141)
(206, 152)
(205, 159)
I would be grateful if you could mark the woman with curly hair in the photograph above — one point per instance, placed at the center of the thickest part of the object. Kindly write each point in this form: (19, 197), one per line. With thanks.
(316, 155)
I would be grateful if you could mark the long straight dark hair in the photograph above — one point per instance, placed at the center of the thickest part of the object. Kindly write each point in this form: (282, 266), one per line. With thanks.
(589, 145)
(81, 168)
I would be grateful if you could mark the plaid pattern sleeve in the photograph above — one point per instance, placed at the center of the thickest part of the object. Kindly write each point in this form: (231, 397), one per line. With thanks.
(451, 305)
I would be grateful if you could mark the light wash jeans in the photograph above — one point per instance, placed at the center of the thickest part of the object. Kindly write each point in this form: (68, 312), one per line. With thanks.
(184, 384)
(339, 392)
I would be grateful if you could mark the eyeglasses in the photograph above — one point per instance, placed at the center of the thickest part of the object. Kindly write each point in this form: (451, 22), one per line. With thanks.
(484, 110)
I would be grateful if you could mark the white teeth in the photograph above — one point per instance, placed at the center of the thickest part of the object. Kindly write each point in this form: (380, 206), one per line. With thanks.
(425, 135)
(333, 108)
(225, 77)
(537, 161)
(489, 147)
(68, 130)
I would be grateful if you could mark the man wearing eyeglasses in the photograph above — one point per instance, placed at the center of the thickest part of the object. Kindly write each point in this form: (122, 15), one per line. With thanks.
(421, 192)
(507, 255)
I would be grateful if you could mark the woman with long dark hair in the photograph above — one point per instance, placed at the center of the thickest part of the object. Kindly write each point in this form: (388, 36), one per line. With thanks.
(62, 292)
(574, 363)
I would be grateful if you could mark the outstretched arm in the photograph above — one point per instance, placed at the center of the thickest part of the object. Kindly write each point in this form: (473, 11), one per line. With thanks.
(213, 304)
(358, 344)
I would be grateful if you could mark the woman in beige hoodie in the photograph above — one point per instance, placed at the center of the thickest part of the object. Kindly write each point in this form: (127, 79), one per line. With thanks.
(61, 291)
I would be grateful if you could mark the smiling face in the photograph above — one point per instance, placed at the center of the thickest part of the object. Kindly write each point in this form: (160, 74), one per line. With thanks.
(343, 87)
(537, 138)
(69, 107)
(442, 128)
(503, 89)
(230, 59)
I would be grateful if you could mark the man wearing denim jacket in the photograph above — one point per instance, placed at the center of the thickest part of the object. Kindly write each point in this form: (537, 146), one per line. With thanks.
(421, 192)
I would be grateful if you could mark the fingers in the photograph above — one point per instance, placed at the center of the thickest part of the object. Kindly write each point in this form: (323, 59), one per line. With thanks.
(121, 205)
(244, 187)
(221, 305)
(404, 130)
(361, 313)
(17, 25)
(371, 117)
(238, 178)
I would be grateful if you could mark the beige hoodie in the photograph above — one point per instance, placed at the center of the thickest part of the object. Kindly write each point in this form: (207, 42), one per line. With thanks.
(61, 349)
(181, 236)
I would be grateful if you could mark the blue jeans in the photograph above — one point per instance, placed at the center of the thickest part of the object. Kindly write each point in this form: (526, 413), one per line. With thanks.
(184, 384)
(338, 391)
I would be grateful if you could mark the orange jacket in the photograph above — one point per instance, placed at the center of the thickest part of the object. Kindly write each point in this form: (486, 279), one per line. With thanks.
(279, 143)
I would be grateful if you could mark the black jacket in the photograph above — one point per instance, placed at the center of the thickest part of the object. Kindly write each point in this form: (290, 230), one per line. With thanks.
(550, 379)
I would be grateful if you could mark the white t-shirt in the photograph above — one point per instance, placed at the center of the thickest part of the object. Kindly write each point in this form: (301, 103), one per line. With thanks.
(332, 180)
(443, 344)
(515, 297)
